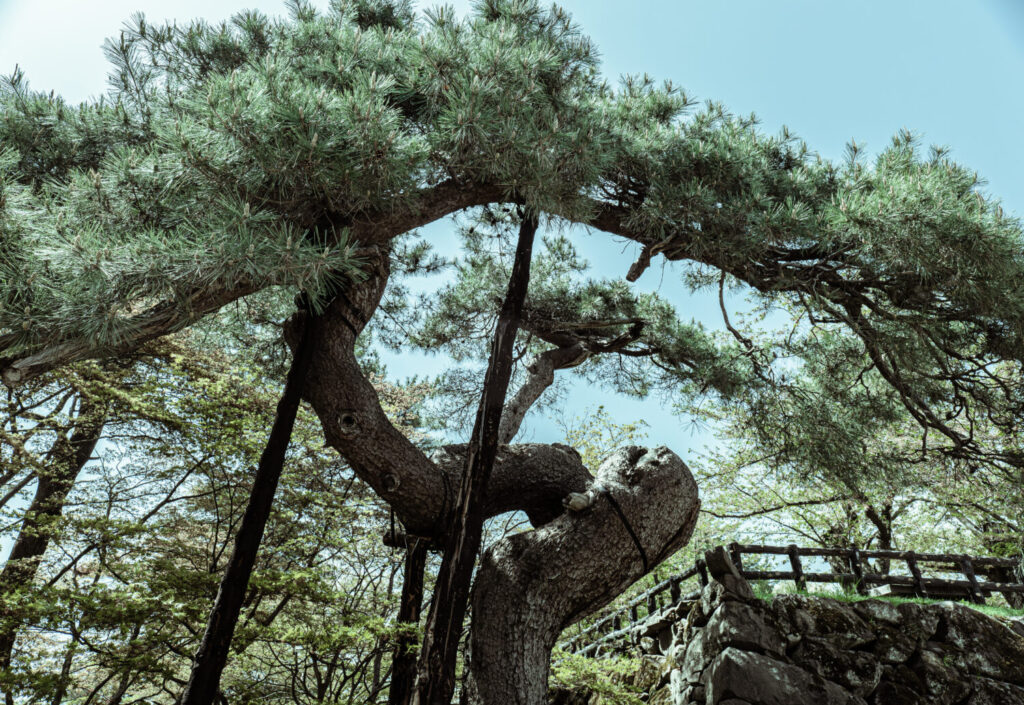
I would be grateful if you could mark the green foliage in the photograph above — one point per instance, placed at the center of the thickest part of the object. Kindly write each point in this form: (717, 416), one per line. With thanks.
(595, 435)
(245, 160)
(235, 157)
(134, 564)
(608, 677)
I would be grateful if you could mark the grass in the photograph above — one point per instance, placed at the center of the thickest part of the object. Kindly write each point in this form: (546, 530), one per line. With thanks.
(765, 591)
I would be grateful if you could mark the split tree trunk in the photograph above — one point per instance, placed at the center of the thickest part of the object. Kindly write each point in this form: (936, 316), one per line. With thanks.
(69, 456)
(204, 681)
(436, 682)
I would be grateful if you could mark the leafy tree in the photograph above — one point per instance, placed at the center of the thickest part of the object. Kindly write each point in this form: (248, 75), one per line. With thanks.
(234, 158)
(829, 454)
(118, 603)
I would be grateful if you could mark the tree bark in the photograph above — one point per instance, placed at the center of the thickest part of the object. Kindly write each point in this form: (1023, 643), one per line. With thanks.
(531, 586)
(403, 663)
(204, 681)
(70, 454)
(436, 678)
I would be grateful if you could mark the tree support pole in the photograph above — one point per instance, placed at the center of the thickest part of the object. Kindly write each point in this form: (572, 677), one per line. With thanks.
(436, 682)
(403, 663)
(204, 682)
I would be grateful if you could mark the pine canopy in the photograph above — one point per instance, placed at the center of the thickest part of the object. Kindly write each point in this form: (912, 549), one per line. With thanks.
(228, 159)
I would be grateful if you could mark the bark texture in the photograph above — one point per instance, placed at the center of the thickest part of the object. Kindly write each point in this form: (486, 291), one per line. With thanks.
(531, 586)
(540, 374)
(421, 490)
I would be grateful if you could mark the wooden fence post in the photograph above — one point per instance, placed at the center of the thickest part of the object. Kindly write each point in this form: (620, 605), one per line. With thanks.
(919, 589)
(675, 590)
(798, 569)
(967, 566)
(858, 570)
(702, 571)
(737, 556)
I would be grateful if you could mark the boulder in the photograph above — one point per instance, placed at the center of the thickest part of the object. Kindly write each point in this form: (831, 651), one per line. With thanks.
(878, 611)
(715, 593)
(720, 564)
(834, 620)
(857, 671)
(893, 644)
(696, 658)
(1016, 624)
(649, 673)
(989, 647)
(889, 693)
(761, 680)
(943, 682)
(739, 624)
(990, 692)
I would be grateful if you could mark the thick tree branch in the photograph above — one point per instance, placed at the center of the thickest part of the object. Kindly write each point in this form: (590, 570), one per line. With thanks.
(421, 490)
(166, 317)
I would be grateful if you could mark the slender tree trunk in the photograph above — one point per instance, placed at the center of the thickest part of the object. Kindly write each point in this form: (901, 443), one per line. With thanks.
(451, 595)
(202, 688)
(403, 664)
(70, 455)
(65, 674)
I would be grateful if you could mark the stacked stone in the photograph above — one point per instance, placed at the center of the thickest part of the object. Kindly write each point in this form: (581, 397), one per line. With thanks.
(733, 649)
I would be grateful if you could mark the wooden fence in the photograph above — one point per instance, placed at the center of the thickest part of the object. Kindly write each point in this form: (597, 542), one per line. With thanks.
(1004, 576)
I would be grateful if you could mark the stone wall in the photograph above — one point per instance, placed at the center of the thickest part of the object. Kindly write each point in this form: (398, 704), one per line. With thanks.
(733, 649)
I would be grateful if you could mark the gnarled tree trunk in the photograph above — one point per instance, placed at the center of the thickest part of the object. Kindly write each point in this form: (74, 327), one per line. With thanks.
(529, 586)
(532, 585)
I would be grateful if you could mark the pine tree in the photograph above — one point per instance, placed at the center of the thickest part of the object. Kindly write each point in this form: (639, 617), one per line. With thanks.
(230, 159)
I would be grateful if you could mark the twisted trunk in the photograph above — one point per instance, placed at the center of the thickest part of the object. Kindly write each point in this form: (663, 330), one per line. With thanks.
(532, 585)
(422, 491)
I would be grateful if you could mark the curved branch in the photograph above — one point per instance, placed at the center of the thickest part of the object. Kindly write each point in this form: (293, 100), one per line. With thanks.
(166, 317)
(531, 478)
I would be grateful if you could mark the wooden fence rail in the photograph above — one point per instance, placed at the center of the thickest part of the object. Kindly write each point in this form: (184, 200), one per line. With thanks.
(1005, 576)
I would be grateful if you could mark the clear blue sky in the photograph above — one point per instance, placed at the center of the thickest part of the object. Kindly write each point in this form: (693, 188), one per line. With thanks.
(831, 71)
